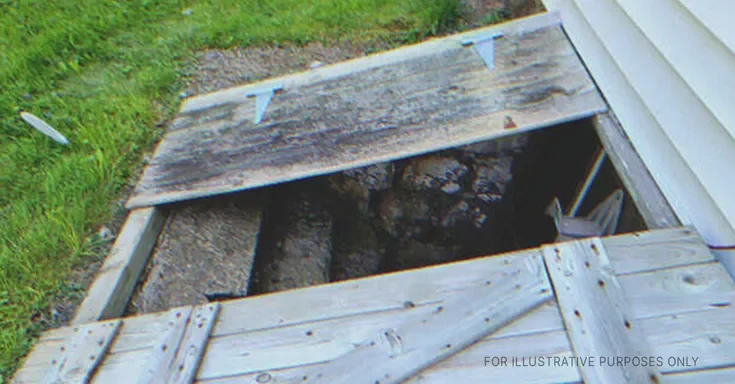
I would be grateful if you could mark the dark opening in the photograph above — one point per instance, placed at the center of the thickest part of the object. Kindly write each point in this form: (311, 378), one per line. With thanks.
(441, 207)
(478, 200)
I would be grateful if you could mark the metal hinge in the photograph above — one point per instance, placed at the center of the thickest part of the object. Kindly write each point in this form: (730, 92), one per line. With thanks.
(263, 97)
(485, 47)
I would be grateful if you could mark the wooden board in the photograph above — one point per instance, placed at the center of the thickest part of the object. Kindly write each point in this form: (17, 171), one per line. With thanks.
(164, 352)
(699, 334)
(80, 357)
(596, 312)
(648, 198)
(415, 100)
(668, 273)
(193, 344)
(397, 353)
(115, 281)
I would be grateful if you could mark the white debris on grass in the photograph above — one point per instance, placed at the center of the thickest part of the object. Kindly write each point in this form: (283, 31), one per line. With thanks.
(42, 126)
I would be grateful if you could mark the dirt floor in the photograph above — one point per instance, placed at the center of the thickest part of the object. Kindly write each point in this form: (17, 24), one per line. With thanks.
(219, 69)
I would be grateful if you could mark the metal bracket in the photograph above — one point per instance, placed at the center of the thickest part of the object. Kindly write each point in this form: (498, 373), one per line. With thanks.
(263, 97)
(485, 47)
(602, 221)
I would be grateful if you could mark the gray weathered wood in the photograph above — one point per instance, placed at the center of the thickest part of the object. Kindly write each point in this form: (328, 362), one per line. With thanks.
(682, 299)
(684, 335)
(397, 353)
(79, 358)
(651, 203)
(165, 350)
(596, 312)
(657, 249)
(116, 280)
(441, 97)
(193, 344)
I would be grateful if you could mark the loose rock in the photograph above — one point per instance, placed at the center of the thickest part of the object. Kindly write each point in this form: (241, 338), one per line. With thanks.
(357, 184)
(434, 172)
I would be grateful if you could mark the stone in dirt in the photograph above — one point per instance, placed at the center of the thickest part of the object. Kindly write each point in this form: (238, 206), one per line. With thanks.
(434, 172)
(401, 214)
(206, 247)
(448, 205)
(492, 177)
(358, 252)
(358, 184)
(298, 251)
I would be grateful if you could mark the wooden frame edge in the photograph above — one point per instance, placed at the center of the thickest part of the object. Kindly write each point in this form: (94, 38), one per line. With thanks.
(110, 293)
(635, 176)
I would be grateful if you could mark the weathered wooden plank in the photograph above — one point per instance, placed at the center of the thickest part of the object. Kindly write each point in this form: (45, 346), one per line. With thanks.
(710, 376)
(85, 351)
(596, 312)
(115, 281)
(673, 291)
(338, 70)
(648, 198)
(164, 352)
(427, 102)
(706, 336)
(193, 345)
(691, 335)
(651, 250)
(397, 353)
(629, 253)
(295, 312)
(309, 342)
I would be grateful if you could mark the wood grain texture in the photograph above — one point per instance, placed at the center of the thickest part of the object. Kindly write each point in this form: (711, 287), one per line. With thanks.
(116, 280)
(598, 317)
(651, 250)
(426, 102)
(79, 358)
(655, 295)
(164, 353)
(669, 275)
(648, 198)
(193, 344)
(678, 336)
(404, 348)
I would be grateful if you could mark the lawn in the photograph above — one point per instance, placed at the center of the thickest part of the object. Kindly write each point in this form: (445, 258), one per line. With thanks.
(104, 73)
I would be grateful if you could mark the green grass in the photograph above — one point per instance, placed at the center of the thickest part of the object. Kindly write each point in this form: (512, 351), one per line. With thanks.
(104, 73)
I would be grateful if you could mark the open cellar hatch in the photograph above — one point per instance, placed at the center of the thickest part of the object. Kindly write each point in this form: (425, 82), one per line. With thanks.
(402, 217)
(439, 152)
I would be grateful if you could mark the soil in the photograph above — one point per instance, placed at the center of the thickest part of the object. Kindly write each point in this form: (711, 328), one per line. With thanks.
(219, 69)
